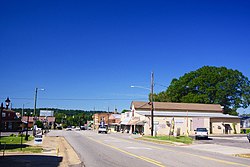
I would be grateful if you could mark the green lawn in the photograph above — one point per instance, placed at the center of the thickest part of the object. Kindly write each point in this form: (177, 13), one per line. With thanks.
(13, 144)
(14, 139)
(181, 139)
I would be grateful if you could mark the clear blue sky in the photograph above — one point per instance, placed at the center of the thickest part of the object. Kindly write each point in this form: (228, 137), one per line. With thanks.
(92, 51)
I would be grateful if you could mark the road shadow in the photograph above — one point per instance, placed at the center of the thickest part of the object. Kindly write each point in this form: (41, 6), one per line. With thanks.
(13, 146)
(193, 137)
(30, 160)
(204, 139)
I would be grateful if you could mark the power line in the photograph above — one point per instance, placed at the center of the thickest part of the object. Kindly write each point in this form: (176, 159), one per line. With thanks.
(77, 99)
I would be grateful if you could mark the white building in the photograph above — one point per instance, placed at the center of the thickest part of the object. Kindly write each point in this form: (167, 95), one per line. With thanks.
(180, 118)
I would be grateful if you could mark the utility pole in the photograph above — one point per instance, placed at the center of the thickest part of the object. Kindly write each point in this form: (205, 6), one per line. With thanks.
(152, 104)
(1, 112)
(35, 101)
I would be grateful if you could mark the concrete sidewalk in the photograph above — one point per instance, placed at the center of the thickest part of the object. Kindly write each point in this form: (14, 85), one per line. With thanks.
(216, 148)
(228, 150)
(56, 152)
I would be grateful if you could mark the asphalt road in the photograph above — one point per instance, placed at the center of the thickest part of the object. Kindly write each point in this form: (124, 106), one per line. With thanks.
(235, 141)
(112, 150)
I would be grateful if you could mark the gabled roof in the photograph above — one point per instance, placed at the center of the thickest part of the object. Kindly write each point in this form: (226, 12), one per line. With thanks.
(168, 106)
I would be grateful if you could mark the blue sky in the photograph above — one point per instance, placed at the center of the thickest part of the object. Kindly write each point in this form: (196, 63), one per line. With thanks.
(87, 54)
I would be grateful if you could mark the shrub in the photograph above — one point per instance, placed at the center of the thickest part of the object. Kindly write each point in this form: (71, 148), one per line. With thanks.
(21, 135)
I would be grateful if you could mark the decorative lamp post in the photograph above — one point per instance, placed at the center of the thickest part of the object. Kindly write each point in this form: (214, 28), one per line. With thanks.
(7, 102)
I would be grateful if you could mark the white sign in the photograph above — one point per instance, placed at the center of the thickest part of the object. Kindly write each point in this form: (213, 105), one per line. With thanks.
(46, 113)
(38, 139)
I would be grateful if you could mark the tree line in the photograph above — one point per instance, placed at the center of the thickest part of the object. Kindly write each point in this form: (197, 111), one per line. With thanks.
(65, 117)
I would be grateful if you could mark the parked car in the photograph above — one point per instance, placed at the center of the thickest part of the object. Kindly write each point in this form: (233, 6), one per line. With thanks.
(102, 129)
(83, 128)
(201, 133)
(77, 128)
(248, 137)
(68, 128)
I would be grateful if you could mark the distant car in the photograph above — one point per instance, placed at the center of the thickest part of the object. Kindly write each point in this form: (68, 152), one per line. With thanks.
(59, 127)
(77, 128)
(102, 129)
(68, 128)
(201, 133)
(83, 128)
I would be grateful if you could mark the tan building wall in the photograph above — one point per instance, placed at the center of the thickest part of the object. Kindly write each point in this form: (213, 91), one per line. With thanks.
(225, 126)
(175, 126)
(97, 118)
(187, 126)
(184, 123)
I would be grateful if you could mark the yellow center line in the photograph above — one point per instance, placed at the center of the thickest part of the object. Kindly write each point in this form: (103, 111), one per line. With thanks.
(127, 140)
(157, 163)
(218, 160)
(200, 156)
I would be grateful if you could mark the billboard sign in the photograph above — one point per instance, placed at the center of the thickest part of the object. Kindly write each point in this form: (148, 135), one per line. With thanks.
(46, 113)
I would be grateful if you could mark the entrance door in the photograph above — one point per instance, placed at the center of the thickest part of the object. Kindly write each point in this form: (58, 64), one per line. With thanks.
(211, 127)
(227, 129)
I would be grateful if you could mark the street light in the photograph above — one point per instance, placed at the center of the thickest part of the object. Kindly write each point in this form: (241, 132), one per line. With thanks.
(36, 90)
(151, 99)
(7, 102)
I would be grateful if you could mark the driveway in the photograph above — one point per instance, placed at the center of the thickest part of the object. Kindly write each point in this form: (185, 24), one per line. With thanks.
(232, 141)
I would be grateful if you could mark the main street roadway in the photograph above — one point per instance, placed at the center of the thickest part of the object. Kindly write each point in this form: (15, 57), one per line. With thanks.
(113, 150)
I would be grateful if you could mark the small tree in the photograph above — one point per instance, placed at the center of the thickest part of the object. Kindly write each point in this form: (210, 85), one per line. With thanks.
(39, 124)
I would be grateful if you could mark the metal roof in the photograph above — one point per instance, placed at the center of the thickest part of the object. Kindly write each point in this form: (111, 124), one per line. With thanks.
(165, 106)
(185, 114)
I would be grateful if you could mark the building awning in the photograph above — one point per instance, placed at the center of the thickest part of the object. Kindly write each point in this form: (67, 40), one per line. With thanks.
(133, 122)
(136, 121)
(114, 124)
(140, 123)
(126, 121)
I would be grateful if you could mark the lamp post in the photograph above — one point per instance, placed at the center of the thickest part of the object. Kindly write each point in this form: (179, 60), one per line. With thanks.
(7, 102)
(151, 99)
(26, 136)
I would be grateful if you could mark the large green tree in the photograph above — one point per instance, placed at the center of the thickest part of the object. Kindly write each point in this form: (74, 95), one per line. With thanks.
(210, 85)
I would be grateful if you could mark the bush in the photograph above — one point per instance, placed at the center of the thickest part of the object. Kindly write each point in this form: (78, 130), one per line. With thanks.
(21, 135)
(246, 131)
(12, 135)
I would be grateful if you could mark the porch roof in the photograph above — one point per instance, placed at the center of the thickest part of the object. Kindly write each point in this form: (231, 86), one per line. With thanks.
(126, 121)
